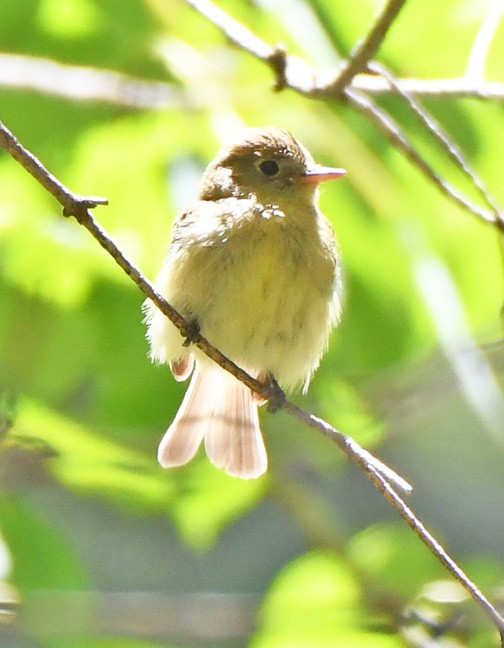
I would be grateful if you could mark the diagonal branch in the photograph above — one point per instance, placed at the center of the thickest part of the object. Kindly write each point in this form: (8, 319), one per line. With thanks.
(295, 74)
(368, 46)
(437, 133)
(391, 130)
(378, 473)
(483, 41)
(439, 551)
(289, 71)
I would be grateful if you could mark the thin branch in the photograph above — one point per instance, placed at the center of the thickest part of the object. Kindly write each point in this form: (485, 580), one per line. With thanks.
(460, 88)
(379, 479)
(36, 169)
(368, 46)
(290, 72)
(483, 41)
(295, 74)
(233, 30)
(379, 474)
(78, 83)
(390, 129)
(435, 130)
(351, 448)
(439, 551)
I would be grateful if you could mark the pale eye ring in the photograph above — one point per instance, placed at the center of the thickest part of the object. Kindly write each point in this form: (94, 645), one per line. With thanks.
(269, 168)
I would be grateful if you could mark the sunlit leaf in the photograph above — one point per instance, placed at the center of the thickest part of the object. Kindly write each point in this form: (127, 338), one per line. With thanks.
(90, 464)
(315, 602)
(42, 557)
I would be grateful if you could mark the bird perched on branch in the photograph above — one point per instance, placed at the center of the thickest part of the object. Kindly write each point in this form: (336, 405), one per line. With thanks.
(253, 265)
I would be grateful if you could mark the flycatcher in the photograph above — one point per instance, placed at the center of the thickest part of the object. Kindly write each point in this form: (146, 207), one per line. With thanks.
(255, 266)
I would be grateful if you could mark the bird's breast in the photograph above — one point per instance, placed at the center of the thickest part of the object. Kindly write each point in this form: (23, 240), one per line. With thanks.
(270, 289)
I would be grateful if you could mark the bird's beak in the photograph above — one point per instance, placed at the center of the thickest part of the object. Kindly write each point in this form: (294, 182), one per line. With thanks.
(317, 174)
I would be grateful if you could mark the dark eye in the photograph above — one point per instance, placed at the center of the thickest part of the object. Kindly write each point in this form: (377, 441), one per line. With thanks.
(269, 167)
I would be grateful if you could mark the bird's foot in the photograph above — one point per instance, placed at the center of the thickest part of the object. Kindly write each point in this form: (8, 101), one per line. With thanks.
(192, 332)
(276, 397)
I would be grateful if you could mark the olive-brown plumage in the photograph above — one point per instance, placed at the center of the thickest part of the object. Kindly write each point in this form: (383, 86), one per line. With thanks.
(255, 264)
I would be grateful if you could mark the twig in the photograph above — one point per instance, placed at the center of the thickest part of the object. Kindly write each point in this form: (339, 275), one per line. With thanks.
(435, 130)
(41, 174)
(233, 30)
(351, 448)
(461, 88)
(297, 75)
(481, 46)
(78, 83)
(81, 83)
(390, 129)
(439, 551)
(289, 71)
(379, 474)
(379, 478)
(368, 46)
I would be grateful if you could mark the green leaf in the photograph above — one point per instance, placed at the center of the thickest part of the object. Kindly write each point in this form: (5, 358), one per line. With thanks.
(315, 602)
(90, 464)
(42, 557)
(201, 500)
(394, 557)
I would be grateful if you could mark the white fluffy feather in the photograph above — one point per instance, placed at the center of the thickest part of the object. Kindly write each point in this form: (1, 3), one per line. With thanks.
(219, 409)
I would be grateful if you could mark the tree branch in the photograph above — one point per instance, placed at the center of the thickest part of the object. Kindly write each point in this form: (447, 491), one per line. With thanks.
(290, 72)
(79, 83)
(448, 146)
(391, 130)
(295, 74)
(368, 46)
(376, 471)
(481, 46)
(461, 88)
(439, 552)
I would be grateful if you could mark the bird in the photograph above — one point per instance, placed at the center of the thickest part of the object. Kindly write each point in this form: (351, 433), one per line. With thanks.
(254, 267)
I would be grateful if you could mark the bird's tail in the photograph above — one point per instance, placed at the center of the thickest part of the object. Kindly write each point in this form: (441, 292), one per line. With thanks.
(221, 410)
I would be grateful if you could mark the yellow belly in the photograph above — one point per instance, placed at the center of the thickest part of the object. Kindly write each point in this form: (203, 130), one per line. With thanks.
(263, 291)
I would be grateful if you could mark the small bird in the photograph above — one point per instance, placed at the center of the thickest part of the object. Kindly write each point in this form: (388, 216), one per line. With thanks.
(254, 266)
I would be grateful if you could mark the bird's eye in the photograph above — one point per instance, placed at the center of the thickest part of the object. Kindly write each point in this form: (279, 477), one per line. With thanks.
(269, 167)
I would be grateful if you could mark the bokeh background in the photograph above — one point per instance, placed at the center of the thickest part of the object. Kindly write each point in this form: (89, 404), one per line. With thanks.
(100, 547)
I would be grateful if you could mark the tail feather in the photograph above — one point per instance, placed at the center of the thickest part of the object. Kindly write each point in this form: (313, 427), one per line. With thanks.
(220, 409)
(184, 436)
(233, 439)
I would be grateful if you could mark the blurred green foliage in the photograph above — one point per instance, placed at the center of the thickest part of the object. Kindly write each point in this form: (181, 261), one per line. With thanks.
(313, 602)
(84, 506)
